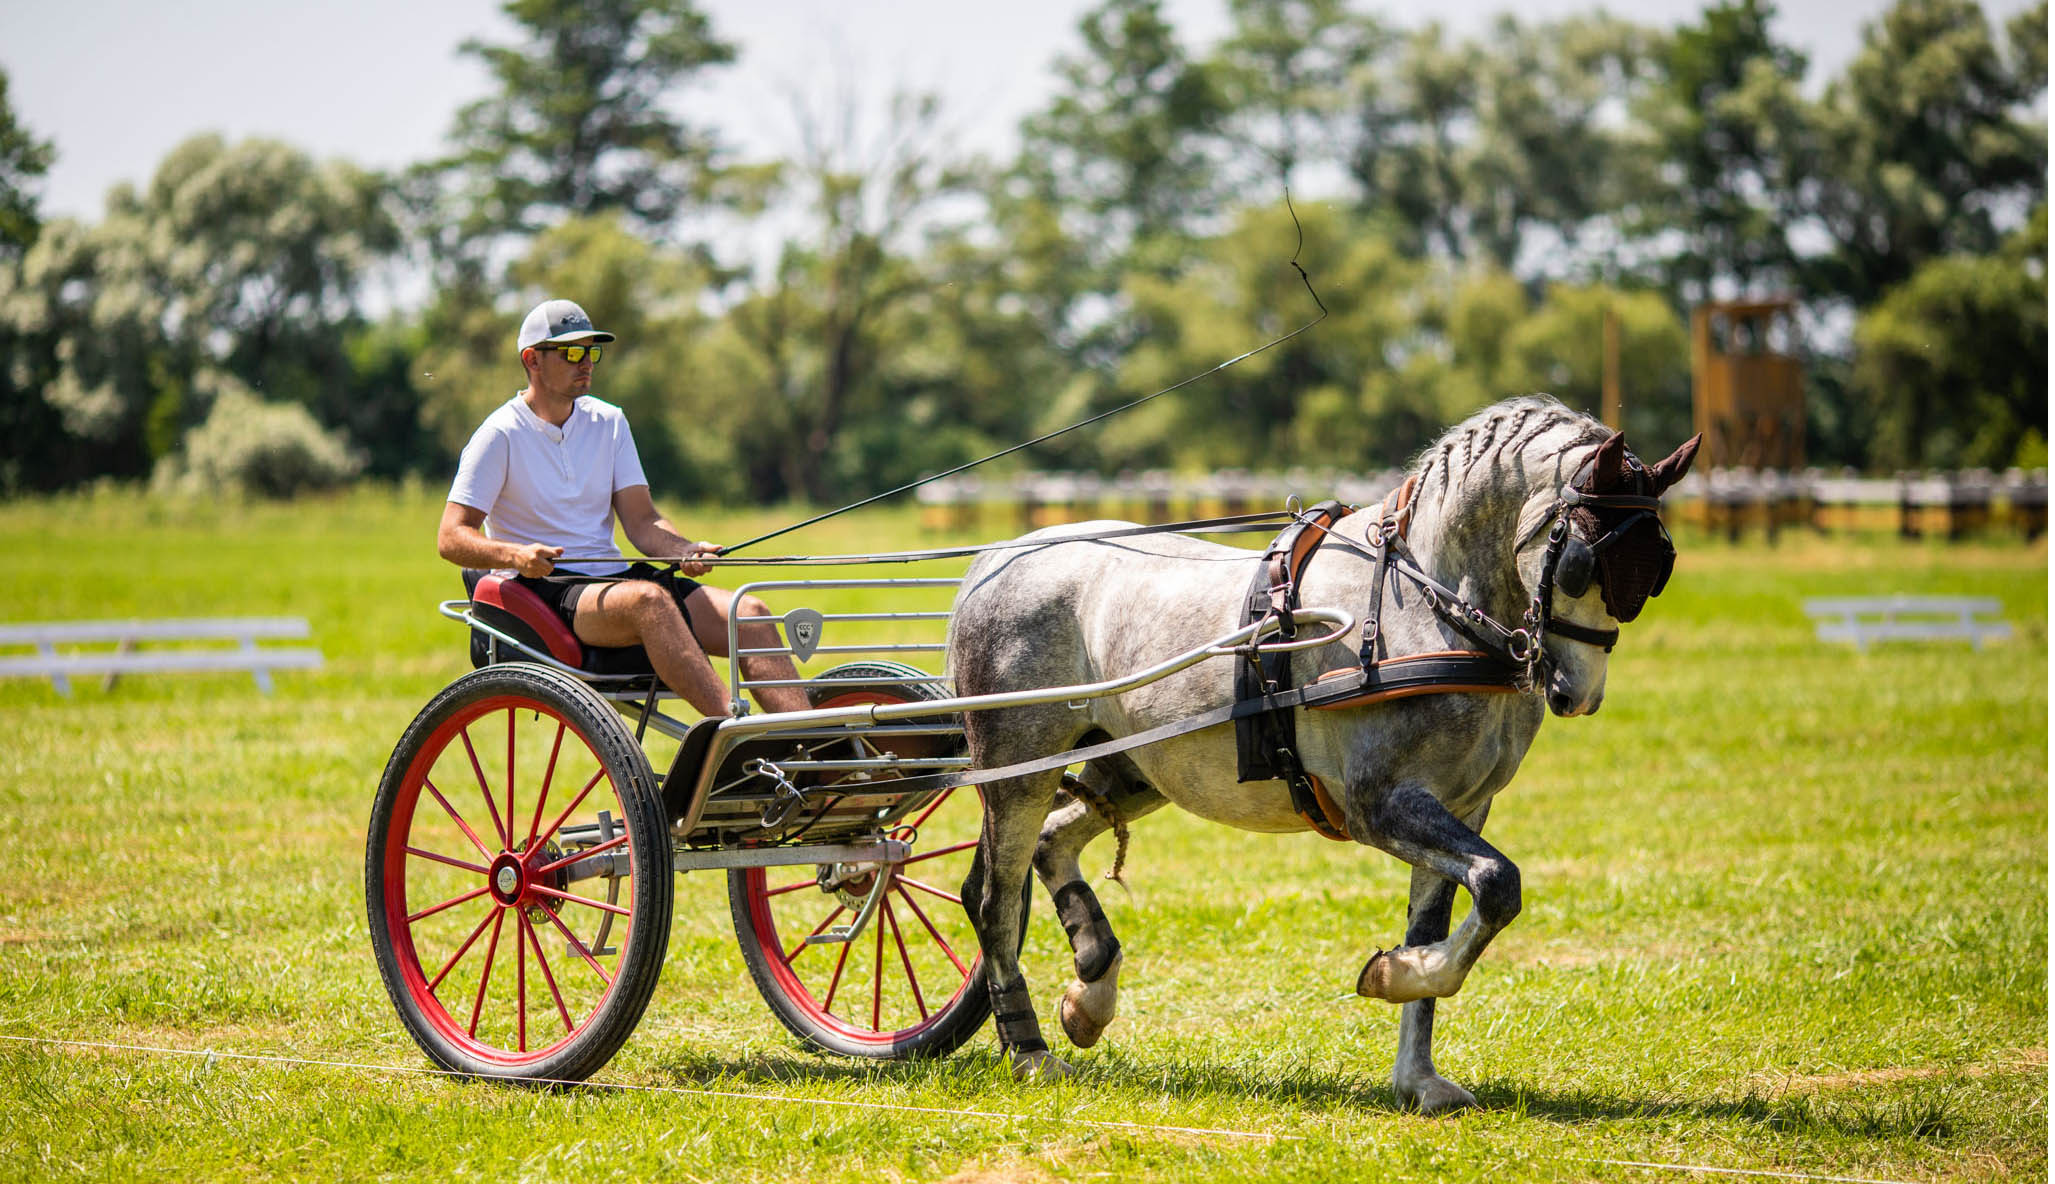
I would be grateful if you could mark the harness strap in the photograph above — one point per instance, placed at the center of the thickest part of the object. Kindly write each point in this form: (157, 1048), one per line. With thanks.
(1266, 744)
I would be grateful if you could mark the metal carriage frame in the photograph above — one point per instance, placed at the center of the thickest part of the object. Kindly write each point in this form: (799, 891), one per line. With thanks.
(813, 790)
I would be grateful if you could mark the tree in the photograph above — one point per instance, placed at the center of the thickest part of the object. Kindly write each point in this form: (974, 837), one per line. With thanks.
(37, 453)
(1121, 148)
(1952, 365)
(809, 353)
(1558, 348)
(1408, 151)
(1730, 127)
(1333, 396)
(1548, 159)
(579, 126)
(1285, 77)
(1926, 148)
(241, 258)
(1477, 150)
(23, 159)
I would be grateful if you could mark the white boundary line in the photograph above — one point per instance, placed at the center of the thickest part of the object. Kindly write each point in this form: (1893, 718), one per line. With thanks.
(624, 1087)
(211, 1055)
(1685, 1167)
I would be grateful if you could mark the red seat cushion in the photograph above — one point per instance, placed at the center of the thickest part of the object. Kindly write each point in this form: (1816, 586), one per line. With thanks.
(504, 592)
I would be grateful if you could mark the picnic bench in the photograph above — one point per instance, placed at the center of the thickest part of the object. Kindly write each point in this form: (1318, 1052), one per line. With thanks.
(126, 658)
(1865, 619)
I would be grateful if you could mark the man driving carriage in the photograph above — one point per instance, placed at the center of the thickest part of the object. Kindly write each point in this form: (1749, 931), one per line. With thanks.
(548, 473)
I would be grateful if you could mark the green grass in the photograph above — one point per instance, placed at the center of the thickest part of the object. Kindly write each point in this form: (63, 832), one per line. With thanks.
(1785, 910)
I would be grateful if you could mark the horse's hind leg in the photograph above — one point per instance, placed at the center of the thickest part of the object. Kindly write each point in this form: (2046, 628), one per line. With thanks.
(1090, 1002)
(993, 896)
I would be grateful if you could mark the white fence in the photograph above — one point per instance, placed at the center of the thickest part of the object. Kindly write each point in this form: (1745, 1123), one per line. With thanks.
(1864, 620)
(1731, 500)
(126, 658)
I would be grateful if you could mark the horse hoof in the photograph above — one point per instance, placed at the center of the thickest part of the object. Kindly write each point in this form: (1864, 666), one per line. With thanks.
(1375, 980)
(1436, 1095)
(1385, 977)
(1087, 1008)
(1041, 1066)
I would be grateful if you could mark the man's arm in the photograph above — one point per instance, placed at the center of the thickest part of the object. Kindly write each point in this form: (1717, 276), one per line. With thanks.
(460, 541)
(652, 533)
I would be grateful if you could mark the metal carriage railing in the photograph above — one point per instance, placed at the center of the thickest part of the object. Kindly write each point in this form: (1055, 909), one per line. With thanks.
(826, 781)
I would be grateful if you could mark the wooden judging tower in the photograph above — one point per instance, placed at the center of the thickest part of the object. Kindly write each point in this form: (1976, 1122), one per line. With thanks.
(1747, 390)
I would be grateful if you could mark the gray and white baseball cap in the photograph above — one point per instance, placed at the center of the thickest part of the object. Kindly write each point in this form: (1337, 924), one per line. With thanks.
(557, 322)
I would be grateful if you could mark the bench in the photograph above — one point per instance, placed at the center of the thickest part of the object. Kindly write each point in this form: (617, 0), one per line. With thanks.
(1862, 620)
(125, 658)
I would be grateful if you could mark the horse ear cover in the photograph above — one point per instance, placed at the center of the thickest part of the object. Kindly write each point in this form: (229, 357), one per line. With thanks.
(1671, 469)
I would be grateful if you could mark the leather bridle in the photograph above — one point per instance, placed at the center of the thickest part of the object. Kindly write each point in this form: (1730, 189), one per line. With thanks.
(1572, 564)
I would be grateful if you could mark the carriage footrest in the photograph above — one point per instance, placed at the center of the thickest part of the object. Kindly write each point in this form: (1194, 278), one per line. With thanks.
(880, 851)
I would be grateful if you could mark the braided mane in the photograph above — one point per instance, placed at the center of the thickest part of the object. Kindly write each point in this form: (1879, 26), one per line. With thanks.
(1511, 426)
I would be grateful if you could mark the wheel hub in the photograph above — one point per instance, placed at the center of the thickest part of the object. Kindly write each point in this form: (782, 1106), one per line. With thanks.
(509, 879)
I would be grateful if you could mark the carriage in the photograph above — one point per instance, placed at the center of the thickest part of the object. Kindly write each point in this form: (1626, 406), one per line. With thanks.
(874, 842)
(522, 808)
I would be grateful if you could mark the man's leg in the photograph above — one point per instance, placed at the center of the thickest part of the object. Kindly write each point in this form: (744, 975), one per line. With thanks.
(639, 612)
(710, 608)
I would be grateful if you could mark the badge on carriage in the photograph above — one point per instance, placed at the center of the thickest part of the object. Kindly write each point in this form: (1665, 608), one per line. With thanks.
(803, 631)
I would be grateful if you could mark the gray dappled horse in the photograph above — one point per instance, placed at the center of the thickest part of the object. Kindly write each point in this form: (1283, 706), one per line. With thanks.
(1527, 511)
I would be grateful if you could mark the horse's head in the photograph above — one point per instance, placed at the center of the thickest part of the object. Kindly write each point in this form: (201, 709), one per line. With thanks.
(1598, 554)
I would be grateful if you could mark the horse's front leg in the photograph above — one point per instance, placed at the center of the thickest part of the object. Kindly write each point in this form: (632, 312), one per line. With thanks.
(1409, 822)
(1413, 1076)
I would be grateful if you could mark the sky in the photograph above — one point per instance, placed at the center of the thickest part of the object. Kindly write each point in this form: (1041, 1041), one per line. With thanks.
(116, 84)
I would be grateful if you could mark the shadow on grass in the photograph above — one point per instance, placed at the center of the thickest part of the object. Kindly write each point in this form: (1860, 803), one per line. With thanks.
(969, 1077)
(1936, 1115)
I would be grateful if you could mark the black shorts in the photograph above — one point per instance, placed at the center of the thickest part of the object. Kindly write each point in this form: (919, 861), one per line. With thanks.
(560, 593)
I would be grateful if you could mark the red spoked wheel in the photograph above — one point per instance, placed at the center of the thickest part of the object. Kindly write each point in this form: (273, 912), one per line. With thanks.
(908, 985)
(518, 877)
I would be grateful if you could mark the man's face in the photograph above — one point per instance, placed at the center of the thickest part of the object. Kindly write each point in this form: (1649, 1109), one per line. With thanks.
(555, 374)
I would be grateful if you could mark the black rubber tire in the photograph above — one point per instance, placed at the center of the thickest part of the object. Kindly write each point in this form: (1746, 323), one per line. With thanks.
(790, 998)
(541, 701)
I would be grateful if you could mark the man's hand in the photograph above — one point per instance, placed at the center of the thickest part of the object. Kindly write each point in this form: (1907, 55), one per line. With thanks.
(535, 560)
(689, 568)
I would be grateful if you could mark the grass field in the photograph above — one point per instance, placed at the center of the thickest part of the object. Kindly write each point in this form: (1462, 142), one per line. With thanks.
(1786, 911)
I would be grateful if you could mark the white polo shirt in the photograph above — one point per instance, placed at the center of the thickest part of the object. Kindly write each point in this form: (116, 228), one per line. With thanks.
(538, 483)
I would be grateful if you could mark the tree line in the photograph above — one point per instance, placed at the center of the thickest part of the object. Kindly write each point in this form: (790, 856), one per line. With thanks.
(877, 305)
